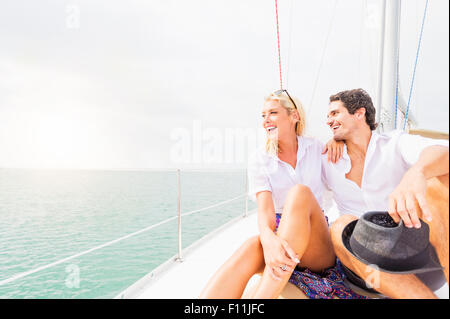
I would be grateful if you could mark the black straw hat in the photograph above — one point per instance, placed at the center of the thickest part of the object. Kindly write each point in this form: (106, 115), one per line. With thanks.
(375, 239)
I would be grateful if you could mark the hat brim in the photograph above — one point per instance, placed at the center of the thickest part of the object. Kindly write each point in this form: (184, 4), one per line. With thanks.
(432, 264)
(356, 280)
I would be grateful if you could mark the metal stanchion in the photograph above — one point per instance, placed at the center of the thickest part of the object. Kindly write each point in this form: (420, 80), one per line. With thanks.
(179, 258)
(246, 193)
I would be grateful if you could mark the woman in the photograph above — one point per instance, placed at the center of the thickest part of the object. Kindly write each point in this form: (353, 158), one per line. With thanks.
(285, 179)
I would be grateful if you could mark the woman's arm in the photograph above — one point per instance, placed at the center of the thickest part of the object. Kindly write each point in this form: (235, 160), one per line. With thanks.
(335, 150)
(276, 250)
(266, 214)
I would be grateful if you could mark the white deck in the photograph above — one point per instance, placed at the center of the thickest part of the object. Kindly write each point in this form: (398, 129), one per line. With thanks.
(186, 279)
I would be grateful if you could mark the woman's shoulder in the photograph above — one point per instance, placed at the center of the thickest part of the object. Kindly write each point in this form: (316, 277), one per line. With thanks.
(309, 141)
(259, 156)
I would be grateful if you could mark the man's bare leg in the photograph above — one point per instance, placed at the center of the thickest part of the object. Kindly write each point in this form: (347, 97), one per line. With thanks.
(405, 286)
(437, 199)
(398, 286)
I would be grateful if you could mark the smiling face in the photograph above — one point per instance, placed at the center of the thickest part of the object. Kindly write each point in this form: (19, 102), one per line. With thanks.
(355, 105)
(341, 122)
(277, 121)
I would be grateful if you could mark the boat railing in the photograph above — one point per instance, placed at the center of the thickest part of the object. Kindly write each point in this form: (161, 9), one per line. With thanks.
(178, 217)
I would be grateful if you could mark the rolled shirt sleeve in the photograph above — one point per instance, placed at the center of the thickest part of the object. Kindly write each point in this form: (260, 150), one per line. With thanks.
(410, 146)
(258, 179)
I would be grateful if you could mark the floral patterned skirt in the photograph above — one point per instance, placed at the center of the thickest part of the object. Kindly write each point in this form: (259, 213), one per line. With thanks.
(325, 285)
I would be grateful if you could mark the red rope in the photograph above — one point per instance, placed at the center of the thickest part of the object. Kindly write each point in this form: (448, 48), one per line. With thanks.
(278, 38)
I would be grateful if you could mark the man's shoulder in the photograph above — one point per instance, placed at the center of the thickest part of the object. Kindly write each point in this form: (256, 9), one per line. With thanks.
(389, 136)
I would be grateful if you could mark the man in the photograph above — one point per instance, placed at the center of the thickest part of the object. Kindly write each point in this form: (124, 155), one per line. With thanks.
(403, 174)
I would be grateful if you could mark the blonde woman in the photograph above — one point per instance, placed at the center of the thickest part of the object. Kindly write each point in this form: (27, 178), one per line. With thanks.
(294, 239)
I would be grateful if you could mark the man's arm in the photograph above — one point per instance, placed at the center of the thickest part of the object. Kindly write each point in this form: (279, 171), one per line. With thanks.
(407, 201)
(433, 161)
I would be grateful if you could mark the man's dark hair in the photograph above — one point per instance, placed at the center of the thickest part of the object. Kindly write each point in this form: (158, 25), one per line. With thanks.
(355, 99)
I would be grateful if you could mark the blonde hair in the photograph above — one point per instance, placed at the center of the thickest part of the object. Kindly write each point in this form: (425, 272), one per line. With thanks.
(285, 101)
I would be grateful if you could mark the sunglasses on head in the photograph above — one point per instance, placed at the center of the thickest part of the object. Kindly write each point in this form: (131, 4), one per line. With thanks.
(279, 92)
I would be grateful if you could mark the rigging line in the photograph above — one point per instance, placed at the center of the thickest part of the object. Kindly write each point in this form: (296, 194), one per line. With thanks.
(290, 44)
(215, 205)
(415, 65)
(278, 38)
(23, 274)
(322, 58)
(397, 87)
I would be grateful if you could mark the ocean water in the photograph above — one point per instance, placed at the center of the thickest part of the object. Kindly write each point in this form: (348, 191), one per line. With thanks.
(48, 215)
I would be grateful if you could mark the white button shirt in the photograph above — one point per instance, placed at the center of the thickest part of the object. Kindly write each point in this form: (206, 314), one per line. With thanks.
(388, 158)
(268, 173)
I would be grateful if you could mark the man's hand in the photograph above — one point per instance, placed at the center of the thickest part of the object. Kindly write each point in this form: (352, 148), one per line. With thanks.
(407, 201)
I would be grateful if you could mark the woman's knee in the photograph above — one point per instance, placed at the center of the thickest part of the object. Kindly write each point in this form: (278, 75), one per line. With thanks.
(251, 247)
(252, 243)
(249, 254)
(299, 190)
(299, 195)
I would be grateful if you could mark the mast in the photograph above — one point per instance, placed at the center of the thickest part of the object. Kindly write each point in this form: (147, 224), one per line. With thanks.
(380, 63)
(387, 72)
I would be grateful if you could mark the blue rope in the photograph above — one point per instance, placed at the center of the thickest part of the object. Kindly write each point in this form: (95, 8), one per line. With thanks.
(415, 65)
(396, 90)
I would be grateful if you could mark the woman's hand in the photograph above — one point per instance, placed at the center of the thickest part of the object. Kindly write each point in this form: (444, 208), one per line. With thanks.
(335, 150)
(278, 256)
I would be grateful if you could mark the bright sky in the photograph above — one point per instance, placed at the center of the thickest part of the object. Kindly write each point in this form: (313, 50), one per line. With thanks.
(170, 83)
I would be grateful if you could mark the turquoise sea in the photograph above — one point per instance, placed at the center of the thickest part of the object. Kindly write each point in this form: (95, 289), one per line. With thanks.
(48, 215)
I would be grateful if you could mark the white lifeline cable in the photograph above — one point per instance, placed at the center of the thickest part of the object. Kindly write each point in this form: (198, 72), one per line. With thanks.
(26, 273)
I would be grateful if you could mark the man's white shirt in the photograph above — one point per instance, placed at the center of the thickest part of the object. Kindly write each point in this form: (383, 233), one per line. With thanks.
(388, 157)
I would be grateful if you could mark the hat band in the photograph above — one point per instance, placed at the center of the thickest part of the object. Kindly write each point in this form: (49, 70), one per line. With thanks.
(411, 263)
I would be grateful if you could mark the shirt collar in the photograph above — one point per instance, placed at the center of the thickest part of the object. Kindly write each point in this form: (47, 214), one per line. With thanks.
(303, 144)
(346, 165)
(371, 148)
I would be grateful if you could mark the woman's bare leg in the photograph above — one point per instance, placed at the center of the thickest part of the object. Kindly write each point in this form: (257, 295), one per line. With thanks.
(304, 227)
(232, 277)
